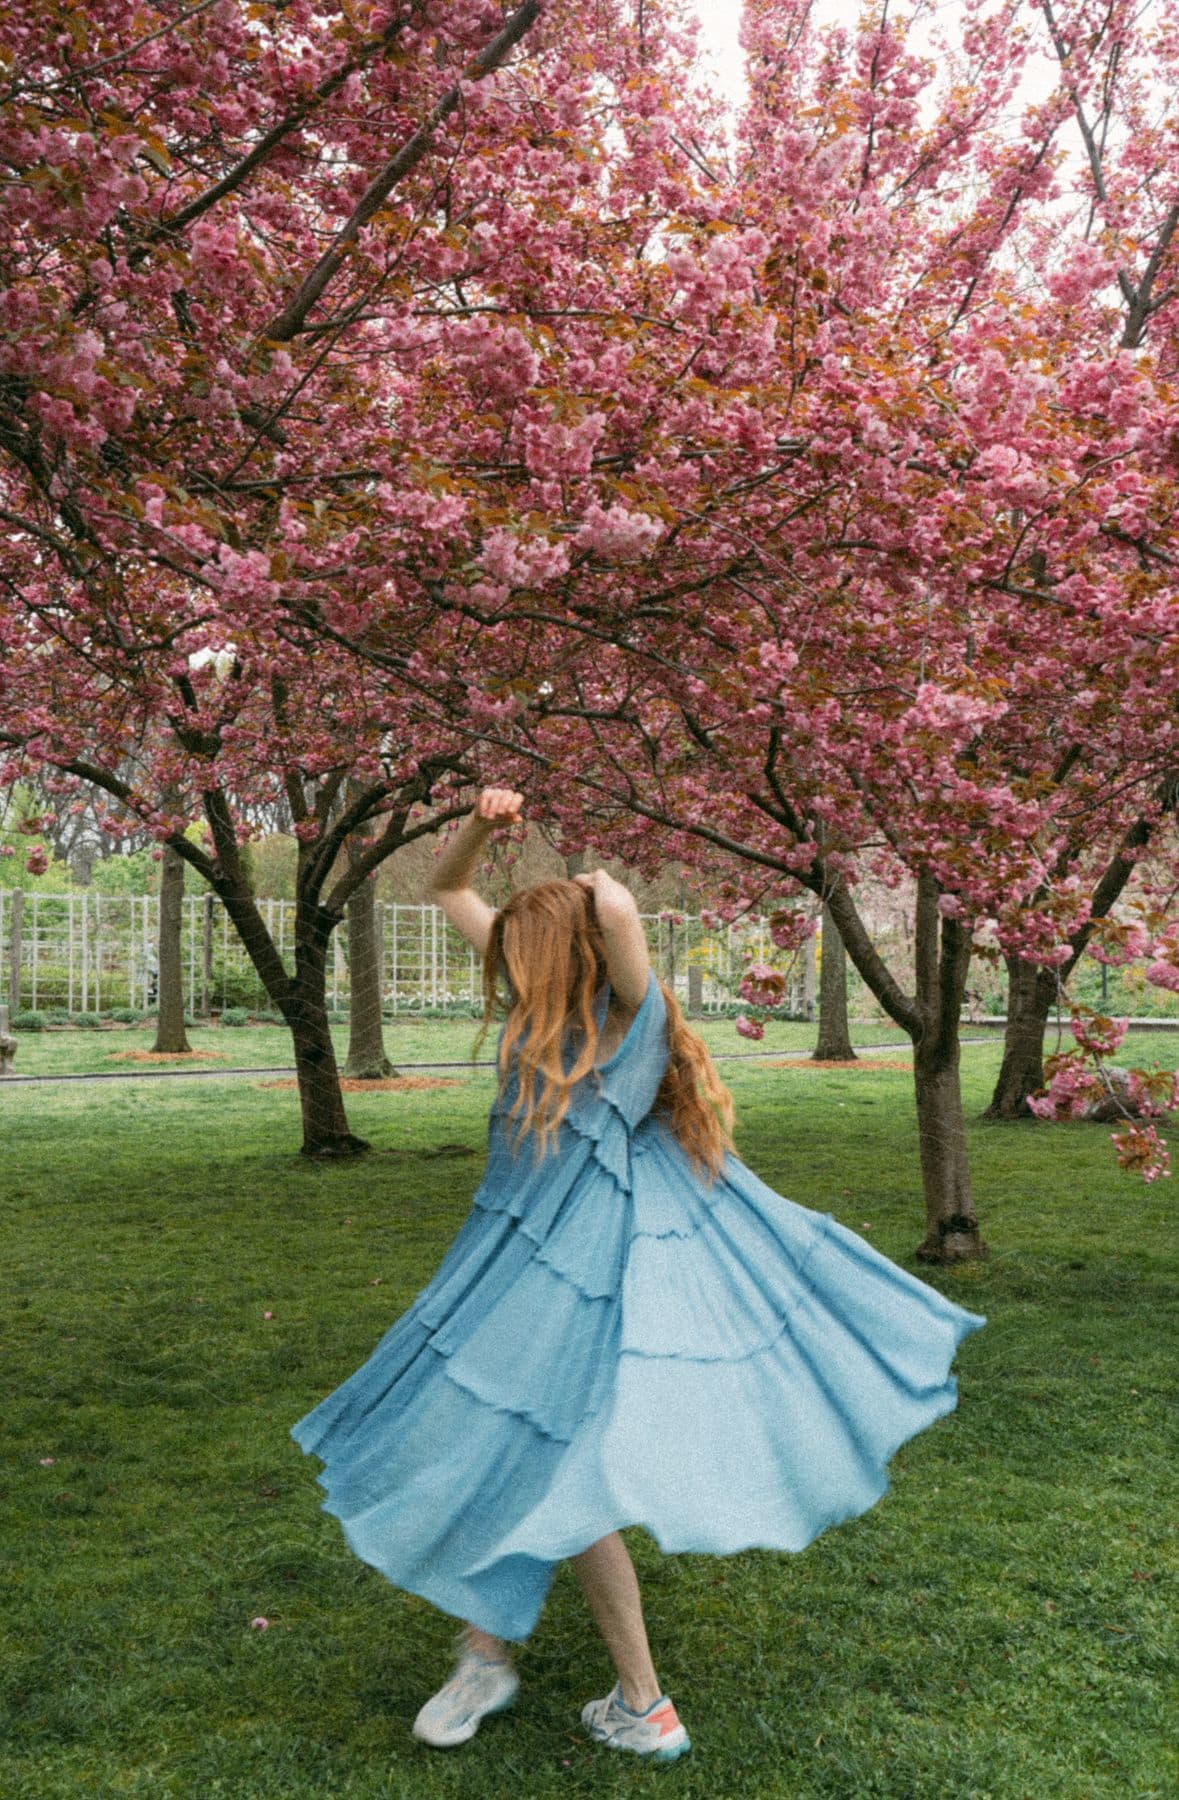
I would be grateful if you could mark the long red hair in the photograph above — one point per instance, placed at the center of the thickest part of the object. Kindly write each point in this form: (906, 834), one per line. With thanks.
(544, 962)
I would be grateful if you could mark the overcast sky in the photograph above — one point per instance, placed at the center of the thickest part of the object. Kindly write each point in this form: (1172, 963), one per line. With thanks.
(721, 19)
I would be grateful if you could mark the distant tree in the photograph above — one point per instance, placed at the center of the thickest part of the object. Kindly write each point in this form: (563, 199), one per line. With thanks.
(834, 1043)
(170, 1033)
(277, 281)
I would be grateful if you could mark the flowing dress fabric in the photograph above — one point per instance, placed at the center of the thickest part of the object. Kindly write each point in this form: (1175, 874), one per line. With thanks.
(609, 1341)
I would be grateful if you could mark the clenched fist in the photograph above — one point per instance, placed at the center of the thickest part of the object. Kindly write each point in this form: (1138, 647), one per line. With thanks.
(499, 806)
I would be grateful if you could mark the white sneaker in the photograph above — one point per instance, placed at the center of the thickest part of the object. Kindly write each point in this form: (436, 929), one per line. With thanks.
(656, 1732)
(478, 1686)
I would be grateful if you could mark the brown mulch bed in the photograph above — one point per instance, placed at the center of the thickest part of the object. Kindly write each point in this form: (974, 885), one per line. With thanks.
(159, 1056)
(861, 1062)
(393, 1084)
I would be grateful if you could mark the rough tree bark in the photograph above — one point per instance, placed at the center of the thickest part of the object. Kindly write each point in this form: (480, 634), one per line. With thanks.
(1031, 994)
(326, 1132)
(943, 951)
(1032, 991)
(834, 1043)
(931, 1017)
(301, 997)
(170, 1033)
(366, 1060)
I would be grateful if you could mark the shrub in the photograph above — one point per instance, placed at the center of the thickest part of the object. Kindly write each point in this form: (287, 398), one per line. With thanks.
(57, 1015)
(126, 1015)
(88, 1021)
(269, 1018)
(29, 1021)
(234, 987)
(235, 1015)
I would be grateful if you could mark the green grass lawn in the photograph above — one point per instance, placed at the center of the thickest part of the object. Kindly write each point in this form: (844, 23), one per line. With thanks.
(1000, 1627)
(72, 1050)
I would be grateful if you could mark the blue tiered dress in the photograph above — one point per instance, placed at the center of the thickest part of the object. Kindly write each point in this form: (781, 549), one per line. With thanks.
(612, 1341)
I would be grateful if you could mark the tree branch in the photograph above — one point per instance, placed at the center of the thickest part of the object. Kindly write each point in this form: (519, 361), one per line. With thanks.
(262, 149)
(291, 320)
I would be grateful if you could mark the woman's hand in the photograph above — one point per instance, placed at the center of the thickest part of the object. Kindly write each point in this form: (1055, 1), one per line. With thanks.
(499, 806)
(611, 900)
(628, 965)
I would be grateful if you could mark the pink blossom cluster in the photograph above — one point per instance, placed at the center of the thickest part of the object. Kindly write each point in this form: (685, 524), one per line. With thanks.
(553, 448)
(1095, 1033)
(762, 985)
(1163, 969)
(498, 360)
(1141, 1151)
(617, 533)
(722, 276)
(790, 927)
(954, 714)
(491, 710)
(520, 560)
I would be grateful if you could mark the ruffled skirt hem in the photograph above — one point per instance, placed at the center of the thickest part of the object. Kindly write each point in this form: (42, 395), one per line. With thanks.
(742, 1382)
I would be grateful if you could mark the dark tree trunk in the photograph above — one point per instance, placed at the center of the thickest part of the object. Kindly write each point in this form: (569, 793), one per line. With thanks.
(325, 1123)
(1032, 991)
(834, 1043)
(301, 998)
(931, 1018)
(951, 1222)
(366, 1041)
(942, 964)
(170, 1032)
(207, 956)
(1031, 995)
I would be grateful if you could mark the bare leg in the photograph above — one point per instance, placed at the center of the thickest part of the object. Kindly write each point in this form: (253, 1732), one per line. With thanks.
(483, 1644)
(611, 1589)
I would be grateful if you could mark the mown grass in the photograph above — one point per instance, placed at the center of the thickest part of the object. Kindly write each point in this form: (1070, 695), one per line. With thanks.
(69, 1050)
(1001, 1625)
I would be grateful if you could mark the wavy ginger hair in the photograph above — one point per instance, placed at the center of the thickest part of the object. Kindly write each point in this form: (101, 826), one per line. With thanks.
(548, 943)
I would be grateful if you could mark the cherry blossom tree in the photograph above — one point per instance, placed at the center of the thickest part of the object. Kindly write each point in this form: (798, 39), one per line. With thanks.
(262, 272)
(906, 604)
(834, 1042)
(391, 391)
(1118, 286)
(171, 1035)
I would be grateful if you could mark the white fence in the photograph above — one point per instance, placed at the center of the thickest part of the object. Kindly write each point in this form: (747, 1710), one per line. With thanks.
(87, 952)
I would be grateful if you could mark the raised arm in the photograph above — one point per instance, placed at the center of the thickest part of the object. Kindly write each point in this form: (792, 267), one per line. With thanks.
(450, 885)
(628, 964)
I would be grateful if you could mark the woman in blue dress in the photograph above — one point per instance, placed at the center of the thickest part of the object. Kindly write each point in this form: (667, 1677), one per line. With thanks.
(629, 1329)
